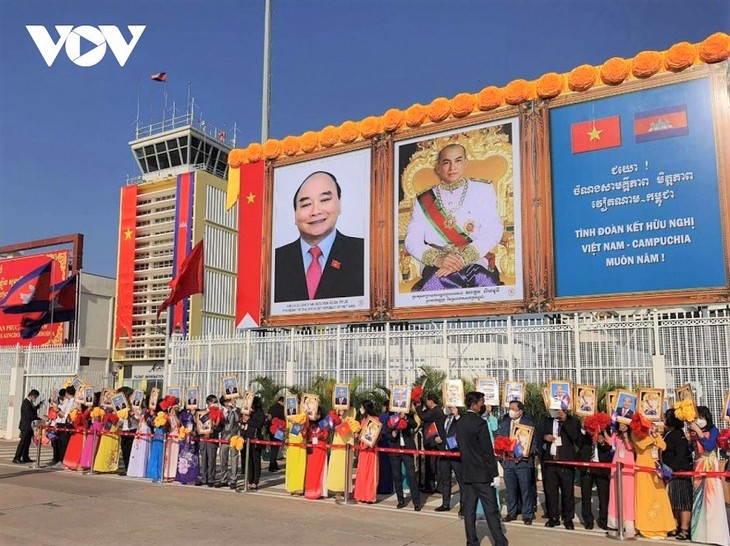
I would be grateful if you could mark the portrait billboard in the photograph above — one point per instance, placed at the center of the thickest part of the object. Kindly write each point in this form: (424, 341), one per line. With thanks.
(458, 221)
(636, 205)
(320, 236)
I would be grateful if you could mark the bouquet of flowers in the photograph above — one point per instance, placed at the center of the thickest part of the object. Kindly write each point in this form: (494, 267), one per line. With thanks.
(416, 394)
(168, 402)
(216, 415)
(236, 442)
(160, 419)
(640, 426)
(684, 410)
(504, 446)
(596, 423)
(723, 440)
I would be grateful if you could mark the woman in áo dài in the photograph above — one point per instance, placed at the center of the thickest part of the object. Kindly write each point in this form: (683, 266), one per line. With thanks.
(140, 447)
(315, 480)
(336, 468)
(296, 454)
(366, 479)
(172, 446)
(188, 461)
(110, 448)
(623, 453)
(709, 518)
(72, 458)
(154, 463)
(93, 437)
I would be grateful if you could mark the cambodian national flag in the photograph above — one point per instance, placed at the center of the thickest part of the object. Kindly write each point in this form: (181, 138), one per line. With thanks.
(661, 123)
(31, 293)
(61, 308)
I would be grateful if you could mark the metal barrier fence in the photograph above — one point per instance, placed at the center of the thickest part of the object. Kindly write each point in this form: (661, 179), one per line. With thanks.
(652, 348)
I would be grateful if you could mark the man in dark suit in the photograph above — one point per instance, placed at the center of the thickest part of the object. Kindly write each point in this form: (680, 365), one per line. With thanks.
(432, 418)
(559, 434)
(276, 411)
(519, 472)
(446, 441)
(597, 451)
(625, 409)
(323, 263)
(28, 414)
(341, 398)
(479, 469)
(402, 438)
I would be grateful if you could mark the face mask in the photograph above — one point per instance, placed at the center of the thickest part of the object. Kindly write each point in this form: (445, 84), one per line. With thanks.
(514, 414)
(554, 414)
(702, 423)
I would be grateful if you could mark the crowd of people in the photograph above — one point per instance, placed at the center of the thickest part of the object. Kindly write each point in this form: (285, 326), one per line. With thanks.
(168, 443)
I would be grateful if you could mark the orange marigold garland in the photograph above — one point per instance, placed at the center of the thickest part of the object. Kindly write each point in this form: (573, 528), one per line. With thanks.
(680, 56)
(309, 141)
(370, 126)
(348, 132)
(415, 115)
(291, 145)
(392, 119)
(615, 70)
(646, 63)
(518, 91)
(272, 148)
(549, 85)
(715, 48)
(490, 98)
(255, 152)
(236, 158)
(329, 136)
(582, 77)
(439, 109)
(462, 105)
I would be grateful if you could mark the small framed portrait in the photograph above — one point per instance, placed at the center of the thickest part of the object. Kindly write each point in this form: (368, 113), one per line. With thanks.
(371, 432)
(585, 400)
(230, 387)
(668, 403)
(651, 403)
(79, 397)
(400, 398)
(77, 383)
(453, 393)
(611, 401)
(291, 405)
(137, 399)
(341, 396)
(192, 395)
(560, 392)
(154, 397)
(88, 391)
(685, 392)
(489, 387)
(53, 398)
(626, 403)
(203, 422)
(523, 434)
(175, 392)
(546, 397)
(726, 408)
(120, 402)
(513, 391)
(105, 400)
(247, 402)
(310, 405)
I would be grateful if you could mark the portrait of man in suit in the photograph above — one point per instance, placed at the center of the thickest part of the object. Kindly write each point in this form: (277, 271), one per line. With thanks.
(323, 263)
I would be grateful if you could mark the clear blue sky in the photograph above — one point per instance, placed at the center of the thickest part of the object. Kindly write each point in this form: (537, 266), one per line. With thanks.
(64, 130)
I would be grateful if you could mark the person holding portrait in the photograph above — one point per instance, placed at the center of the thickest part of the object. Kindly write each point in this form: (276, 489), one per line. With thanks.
(453, 228)
(322, 263)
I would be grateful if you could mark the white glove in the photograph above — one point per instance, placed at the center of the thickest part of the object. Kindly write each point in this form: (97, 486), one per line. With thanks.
(496, 482)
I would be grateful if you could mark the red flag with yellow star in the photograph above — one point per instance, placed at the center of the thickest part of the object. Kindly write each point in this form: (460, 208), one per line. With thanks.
(597, 134)
(250, 244)
(125, 262)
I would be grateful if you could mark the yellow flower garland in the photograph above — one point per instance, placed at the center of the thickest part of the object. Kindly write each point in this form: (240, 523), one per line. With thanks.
(370, 127)
(518, 91)
(392, 120)
(349, 132)
(715, 48)
(646, 63)
(615, 70)
(582, 77)
(439, 109)
(462, 105)
(291, 145)
(549, 85)
(272, 148)
(684, 410)
(415, 115)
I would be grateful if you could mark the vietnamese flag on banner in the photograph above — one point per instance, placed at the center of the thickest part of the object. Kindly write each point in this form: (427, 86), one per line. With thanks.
(125, 269)
(597, 134)
(250, 238)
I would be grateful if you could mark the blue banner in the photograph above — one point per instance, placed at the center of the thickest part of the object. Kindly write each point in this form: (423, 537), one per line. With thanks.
(635, 193)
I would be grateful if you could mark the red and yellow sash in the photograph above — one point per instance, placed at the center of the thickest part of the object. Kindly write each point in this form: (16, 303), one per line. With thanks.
(438, 219)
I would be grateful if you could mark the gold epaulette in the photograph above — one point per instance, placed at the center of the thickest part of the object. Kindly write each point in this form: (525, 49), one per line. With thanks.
(483, 180)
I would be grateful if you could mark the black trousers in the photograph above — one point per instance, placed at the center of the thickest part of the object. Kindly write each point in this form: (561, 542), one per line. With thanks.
(23, 450)
(396, 460)
(557, 481)
(273, 456)
(471, 493)
(447, 465)
(208, 462)
(55, 444)
(126, 445)
(64, 437)
(431, 474)
(254, 464)
(587, 479)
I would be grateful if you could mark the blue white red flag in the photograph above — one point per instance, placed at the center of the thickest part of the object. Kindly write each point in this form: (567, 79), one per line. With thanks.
(61, 308)
(31, 293)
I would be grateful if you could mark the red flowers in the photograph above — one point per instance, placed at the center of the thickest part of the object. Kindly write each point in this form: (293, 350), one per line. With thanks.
(277, 424)
(416, 394)
(640, 426)
(504, 446)
(594, 424)
(216, 414)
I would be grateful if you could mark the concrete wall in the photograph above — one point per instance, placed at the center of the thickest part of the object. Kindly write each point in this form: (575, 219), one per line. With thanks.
(95, 321)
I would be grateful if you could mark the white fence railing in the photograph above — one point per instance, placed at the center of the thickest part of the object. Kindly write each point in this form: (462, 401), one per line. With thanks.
(653, 348)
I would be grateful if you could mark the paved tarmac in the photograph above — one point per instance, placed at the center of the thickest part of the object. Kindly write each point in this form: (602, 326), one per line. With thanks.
(57, 507)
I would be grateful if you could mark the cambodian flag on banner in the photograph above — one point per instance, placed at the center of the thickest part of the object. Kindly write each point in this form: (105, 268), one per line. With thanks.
(31, 293)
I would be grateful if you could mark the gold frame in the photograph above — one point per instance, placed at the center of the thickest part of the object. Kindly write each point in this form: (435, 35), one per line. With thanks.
(236, 393)
(391, 405)
(154, 398)
(529, 430)
(546, 397)
(660, 408)
(123, 397)
(593, 390)
(373, 422)
(635, 396)
(187, 397)
(247, 402)
(286, 405)
(484, 379)
(334, 396)
(310, 412)
(659, 298)
(726, 408)
(611, 397)
(141, 400)
(444, 392)
(505, 390)
(203, 428)
(106, 392)
(168, 392)
(568, 391)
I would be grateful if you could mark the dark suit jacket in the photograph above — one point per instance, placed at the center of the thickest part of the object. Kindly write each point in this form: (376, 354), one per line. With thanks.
(585, 454)
(677, 455)
(428, 416)
(569, 436)
(506, 424)
(406, 433)
(478, 464)
(28, 414)
(344, 280)
(276, 411)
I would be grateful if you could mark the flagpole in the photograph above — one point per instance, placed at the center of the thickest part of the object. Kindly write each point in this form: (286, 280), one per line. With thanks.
(266, 82)
(166, 369)
(76, 309)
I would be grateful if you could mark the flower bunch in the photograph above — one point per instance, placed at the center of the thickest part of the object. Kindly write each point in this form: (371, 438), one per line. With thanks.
(182, 433)
(237, 157)
(684, 410)
(329, 136)
(168, 402)
(272, 148)
(518, 91)
(415, 115)
(715, 48)
(277, 424)
(110, 418)
(349, 132)
(123, 413)
(216, 415)
(723, 439)
(582, 77)
(291, 145)
(640, 426)
(680, 56)
(309, 141)
(97, 413)
(299, 418)
(615, 70)
(439, 109)
(416, 394)
(549, 85)
(462, 105)
(646, 63)
(392, 120)
(334, 418)
(504, 446)
(236, 442)
(370, 126)
(596, 423)
(160, 419)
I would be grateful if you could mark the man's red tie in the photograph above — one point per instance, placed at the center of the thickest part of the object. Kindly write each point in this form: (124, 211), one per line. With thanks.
(314, 271)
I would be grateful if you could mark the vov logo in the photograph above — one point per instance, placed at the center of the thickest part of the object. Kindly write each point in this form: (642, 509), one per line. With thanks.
(71, 36)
